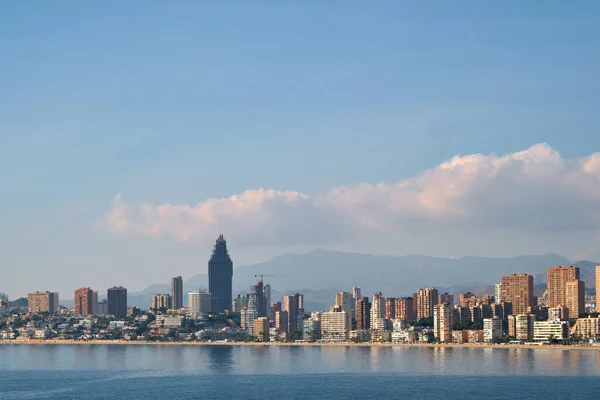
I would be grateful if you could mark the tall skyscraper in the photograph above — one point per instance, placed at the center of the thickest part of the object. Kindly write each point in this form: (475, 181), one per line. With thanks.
(557, 284)
(291, 304)
(84, 301)
(442, 322)
(363, 314)
(575, 297)
(518, 290)
(176, 293)
(220, 275)
(405, 309)
(426, 299)
(117, 301)
(267, 297)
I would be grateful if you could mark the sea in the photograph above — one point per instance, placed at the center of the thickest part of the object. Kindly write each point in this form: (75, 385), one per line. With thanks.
(295, 372)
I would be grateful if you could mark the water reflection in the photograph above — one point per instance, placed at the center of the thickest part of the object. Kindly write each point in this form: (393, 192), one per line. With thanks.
(220, 358)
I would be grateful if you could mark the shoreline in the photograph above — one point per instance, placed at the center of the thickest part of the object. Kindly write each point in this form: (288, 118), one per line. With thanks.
(279, 344)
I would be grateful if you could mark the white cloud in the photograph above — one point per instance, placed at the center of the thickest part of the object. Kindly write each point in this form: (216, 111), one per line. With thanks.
(533, 190)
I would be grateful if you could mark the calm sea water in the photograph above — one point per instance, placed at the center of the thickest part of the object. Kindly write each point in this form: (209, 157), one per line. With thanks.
(247, 372)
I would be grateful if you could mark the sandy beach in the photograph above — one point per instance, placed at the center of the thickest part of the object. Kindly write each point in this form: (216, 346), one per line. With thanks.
(142, 343)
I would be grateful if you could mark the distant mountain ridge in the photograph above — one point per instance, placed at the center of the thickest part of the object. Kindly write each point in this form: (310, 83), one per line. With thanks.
(324, 272)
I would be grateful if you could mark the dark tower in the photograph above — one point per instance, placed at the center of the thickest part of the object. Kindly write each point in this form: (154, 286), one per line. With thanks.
(117, 301)
(220, 274)
(176, 293)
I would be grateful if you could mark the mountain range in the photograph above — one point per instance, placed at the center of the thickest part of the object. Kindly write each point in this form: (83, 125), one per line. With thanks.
(320, 273)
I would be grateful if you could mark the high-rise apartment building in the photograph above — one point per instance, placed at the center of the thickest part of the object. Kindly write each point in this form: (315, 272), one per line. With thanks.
(160, 302)
(83, 301)
(442, 322)
(557, 284)
(335, 325)
(281, 321)
(261, 329)
(220, 276)
(199, 302)
(95, 302)
(518, 290)
(363, 314)
(492, 329)
(42, 302)
(521, 326)
(575, 297)
(378, 312)
(446, 298)
(426, 299)
(498, 293)
(292, 304)
(116, 297)
(390, 308)
(345, 301)
(405, 309)
(176, 293)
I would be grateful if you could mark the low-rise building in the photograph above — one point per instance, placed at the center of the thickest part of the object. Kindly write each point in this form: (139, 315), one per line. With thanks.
(546, 331)
(475, 336)
(587, 328)
(460, 337)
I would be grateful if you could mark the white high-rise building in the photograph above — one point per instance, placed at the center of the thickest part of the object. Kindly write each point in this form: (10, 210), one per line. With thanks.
(498, 293)
(378, 312)
(492, 329)
(442, 322)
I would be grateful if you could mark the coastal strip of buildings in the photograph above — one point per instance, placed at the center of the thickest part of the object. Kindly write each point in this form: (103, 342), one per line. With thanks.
(512, 314)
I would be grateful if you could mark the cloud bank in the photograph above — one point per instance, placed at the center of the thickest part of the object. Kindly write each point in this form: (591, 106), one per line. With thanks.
(534, 190)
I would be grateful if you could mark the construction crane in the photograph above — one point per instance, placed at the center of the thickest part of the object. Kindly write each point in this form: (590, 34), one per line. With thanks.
(262, 277)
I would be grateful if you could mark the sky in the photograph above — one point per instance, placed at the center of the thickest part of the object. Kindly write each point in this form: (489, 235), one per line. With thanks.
(133, 133)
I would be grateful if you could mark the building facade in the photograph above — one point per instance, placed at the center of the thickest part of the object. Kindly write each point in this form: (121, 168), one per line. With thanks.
(261, 329)
(426, 299)
(176, 293)
(492, 329)
(378, 312)
(160, 302)
(42, 302)
(575, 296)
(199, 302)
(363, 314)
(518, 290)
(442, 322)
(117, 301)
(292, 304)
(83, 301)
(557, 280)
(220, 277)
(335, 326)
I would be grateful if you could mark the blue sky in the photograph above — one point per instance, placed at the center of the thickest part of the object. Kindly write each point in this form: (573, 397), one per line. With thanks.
(175, 104)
